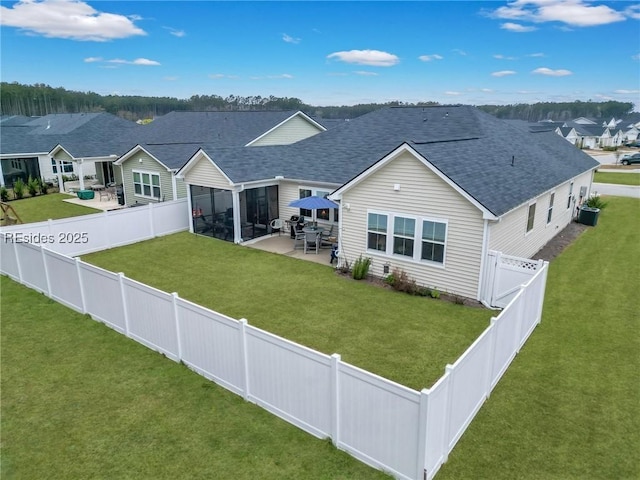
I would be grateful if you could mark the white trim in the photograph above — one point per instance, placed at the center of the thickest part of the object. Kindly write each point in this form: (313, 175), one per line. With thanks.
(139, 149)
(416, 257)
(151, 185)
(406, 148)
(297, 114)
(197, 157)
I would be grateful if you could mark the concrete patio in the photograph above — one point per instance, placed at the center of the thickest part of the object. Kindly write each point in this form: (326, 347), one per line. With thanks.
(284, 244)
(96, 202)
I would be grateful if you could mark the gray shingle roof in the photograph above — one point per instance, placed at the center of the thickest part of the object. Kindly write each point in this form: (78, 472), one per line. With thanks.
(472, 148)
(81, 134)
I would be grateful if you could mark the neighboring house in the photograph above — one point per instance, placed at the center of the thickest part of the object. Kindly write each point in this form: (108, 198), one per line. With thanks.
(80, 144)
(148, 169)
(428, 190)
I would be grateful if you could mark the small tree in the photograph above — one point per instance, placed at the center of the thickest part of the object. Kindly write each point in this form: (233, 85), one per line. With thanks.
(33, 186)
(18, 189)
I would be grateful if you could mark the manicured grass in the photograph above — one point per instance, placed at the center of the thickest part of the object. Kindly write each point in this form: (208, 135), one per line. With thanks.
(45, 207)
(569, 406)
(406, 339)
(617, 178)
(80, 401)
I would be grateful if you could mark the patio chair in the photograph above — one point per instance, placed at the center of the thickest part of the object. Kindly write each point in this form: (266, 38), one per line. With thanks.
(298, 236)
(276, 224)
(312, 240)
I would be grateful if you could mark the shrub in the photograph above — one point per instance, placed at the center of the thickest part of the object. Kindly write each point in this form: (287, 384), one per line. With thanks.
(33, 185)
(4, 194)
(402, 282)
(44, 188)
(435, 293)
(18, 188)
(361, 267)
(595, 201)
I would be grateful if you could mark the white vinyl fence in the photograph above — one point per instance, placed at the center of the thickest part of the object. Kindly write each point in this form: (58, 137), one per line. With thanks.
(99, 231)
(505, 275)
(386, 425)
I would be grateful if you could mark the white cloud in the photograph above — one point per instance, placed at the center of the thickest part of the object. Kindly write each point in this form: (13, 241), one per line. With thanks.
(576, 13)
(487, 90)
(119, 61)
(176, 33)
(499, 56)
(217, 76)
(503, 73)
(171, 79)
(374, 58)
(290, 39)
(365, 73)
(70, 19)
(536, 55)
(552, 73)
(282, 75)
(453, 93)
(428, 58)
(516, 27)
(459, 52)
(626, 92)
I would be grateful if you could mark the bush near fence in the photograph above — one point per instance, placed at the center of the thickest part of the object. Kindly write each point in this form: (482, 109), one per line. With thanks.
(386, 425)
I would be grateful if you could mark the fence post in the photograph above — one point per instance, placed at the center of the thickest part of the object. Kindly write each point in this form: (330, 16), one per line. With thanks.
(245, 357)
(107, 228)
(496, 277)
(152, 226)
(540, 306)
(124, 303)
(335, 399)
(520, 316)
(14, 245)
(493, 332)
(176, 317)
(46, 270)
(81, 286)
(422, 434)
(446, 431)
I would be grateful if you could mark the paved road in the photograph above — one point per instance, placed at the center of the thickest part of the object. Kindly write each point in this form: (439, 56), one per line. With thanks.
(616, 190)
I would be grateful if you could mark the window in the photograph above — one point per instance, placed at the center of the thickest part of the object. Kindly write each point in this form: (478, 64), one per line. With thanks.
(419, 239)
(146, 184)
(323, 214)
(531, 217)
(433, 239)
(304, 193)
(570, 195)
(377, 232)
(550, 209)
(67, 167)
(403, 236)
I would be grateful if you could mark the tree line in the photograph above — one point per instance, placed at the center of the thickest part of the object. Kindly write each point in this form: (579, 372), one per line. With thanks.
(40, 99)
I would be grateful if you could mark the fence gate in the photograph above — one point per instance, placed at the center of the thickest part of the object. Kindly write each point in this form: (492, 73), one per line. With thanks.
(505, 274)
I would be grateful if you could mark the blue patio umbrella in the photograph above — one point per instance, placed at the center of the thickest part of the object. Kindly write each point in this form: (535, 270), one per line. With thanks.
(313, 203)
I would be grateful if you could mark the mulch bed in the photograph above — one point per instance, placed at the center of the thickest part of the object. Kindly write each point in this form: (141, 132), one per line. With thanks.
(561, 241)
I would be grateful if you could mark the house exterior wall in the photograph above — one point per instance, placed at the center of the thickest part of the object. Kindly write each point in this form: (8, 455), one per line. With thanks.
(292, 131)
(148, 165)
(203, 173)
(510, 235)
(424, 195)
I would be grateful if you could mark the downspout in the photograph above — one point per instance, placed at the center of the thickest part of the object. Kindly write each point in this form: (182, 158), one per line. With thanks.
(482, 287)
(1, 176)
(190, 210)
(59, 175)
(175, 187)
(237, 224)
(80, 175)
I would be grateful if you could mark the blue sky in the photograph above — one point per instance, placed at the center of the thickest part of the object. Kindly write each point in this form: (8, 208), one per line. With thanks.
(331, 52)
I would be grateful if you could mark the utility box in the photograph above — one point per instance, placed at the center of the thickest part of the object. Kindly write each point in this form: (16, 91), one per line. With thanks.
(588, 216)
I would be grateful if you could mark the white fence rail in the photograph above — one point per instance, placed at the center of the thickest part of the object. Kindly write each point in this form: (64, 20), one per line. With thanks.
(505, 275)
(91, 233)
(386, 425)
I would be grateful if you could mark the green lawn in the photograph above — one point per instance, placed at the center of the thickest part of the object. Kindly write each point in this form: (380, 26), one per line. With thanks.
(45, 207)
(569, 406)
(406, 339)
(617, 178)
(80, 401)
